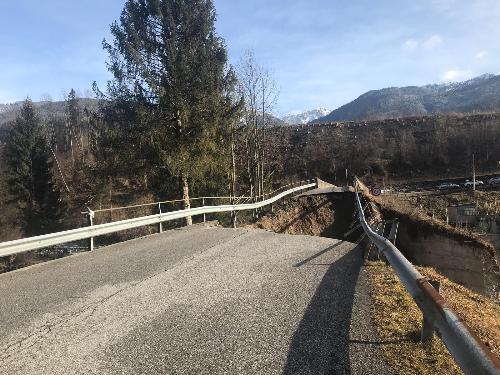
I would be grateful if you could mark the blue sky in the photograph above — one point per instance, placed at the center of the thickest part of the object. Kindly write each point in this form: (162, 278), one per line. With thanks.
(322, 52)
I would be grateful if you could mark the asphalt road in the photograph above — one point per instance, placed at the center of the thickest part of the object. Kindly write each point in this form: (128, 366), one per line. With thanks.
(193, 301)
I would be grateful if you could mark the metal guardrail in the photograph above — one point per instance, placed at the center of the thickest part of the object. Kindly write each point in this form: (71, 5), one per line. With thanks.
(203, 199)
(46, 240)
(469, 352)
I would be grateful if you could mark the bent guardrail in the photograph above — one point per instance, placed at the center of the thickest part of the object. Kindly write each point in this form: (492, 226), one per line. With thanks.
(46, 240)
(469, 352)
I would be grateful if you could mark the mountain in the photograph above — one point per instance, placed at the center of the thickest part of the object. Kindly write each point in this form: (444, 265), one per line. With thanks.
(8, 112)
(306, 116)
(50, 110)
(271, 120)
(480, 94)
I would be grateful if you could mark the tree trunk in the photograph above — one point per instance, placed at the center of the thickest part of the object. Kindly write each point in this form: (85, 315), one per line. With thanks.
(110, 200)
(81, 144)
(72, 151)
(233, 180)
(262, 138)
(256, 163)
(185, 198)
(249, 167)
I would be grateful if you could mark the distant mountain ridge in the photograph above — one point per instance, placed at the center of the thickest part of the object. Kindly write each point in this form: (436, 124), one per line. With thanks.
(306, 116)
(44, 109)
(51, 109)
(480, 94)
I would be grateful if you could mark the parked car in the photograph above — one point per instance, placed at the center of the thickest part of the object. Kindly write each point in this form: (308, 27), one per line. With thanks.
(448, 186)
(494, 181)
(470, 183)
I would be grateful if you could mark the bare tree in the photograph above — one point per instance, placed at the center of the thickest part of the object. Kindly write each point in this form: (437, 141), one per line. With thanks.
(268, 96)
(259, 92)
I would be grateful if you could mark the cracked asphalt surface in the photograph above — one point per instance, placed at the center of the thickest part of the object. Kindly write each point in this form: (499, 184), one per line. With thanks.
(193, 301)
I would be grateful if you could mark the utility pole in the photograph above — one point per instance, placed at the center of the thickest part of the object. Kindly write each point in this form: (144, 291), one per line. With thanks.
(473, 174)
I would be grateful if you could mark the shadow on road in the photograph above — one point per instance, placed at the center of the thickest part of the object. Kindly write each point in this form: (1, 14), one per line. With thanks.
(302, 262)
(320, 345)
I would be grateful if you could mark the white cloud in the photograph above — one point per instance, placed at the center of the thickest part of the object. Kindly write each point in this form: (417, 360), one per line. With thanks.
(454, 75)
(481, 54)
(433, 42)
(444, 5)
(412, 45)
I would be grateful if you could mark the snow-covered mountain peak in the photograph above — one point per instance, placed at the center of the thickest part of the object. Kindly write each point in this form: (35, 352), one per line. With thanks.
(305, 116)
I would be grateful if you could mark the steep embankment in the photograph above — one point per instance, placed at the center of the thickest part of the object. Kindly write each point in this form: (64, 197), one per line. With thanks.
(324, 215)
(427, 241)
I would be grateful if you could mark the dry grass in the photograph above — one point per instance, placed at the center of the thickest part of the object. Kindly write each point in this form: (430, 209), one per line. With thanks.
(480, 313)
(399, 321)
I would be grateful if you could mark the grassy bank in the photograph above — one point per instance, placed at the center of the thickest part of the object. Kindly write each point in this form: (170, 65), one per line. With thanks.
(399, 321)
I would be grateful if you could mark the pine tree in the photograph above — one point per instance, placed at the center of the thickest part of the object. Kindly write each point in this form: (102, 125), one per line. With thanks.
(170, 66)
(30, 176)
(72, 122)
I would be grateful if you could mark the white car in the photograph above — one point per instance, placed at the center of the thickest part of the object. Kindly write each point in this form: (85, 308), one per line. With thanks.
(448, 186)
(470, 183)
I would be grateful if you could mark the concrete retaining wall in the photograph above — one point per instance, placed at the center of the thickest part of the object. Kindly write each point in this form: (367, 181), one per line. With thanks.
(464, 262)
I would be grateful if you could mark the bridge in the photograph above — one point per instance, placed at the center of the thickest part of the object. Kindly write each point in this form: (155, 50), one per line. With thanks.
(205, 299)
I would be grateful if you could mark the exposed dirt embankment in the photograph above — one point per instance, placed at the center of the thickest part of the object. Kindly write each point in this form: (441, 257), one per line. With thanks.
(457, 254)
(325, 215)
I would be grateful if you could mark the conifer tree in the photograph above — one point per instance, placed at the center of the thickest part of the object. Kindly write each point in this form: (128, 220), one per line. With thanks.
(72, 120)
(170, 66)
(30, 176)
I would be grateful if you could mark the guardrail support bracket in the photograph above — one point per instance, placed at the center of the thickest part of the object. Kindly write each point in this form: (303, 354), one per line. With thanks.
(160, 225)
(427, 327)
(90, 222)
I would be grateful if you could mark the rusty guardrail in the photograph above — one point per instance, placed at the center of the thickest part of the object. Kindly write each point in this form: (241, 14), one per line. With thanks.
(469, 352)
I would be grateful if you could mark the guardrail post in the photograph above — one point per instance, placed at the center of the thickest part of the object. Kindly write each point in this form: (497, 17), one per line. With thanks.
(428, 327)
(203, 205)
(90, 222)
(160, 224)
(394, 232)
